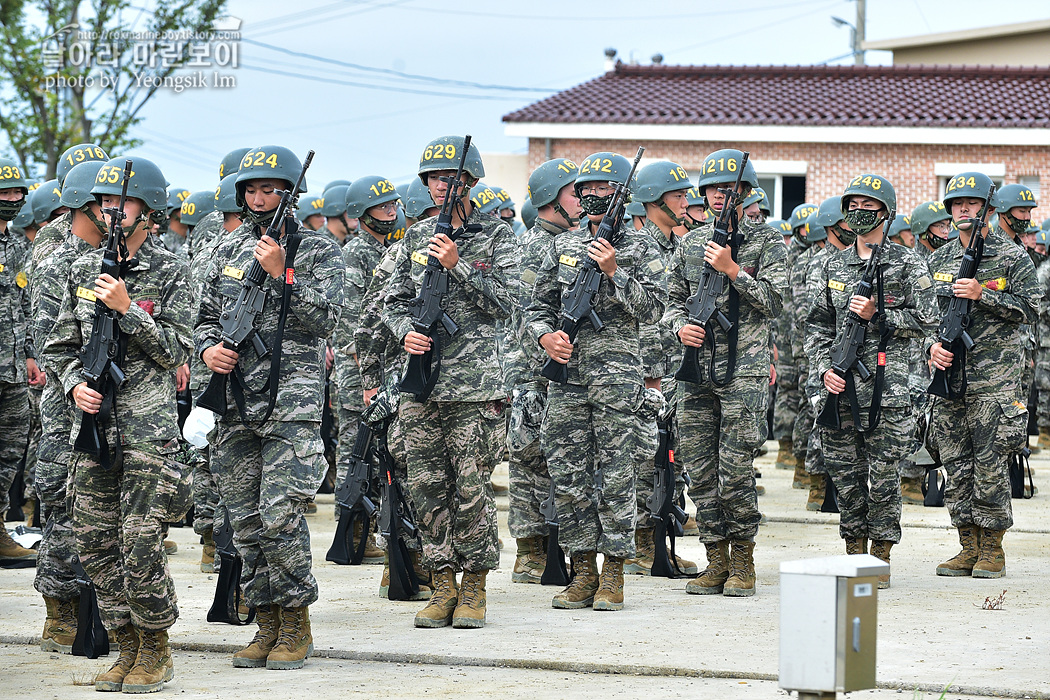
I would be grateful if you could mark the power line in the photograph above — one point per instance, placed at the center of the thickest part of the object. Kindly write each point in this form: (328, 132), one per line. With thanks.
(339, 15)
(749, 30)
(749, 9)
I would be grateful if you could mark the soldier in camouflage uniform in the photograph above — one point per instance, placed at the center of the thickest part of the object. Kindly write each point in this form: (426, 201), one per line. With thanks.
(267, 457)
(977, 433)
(122, 498)
(1042, 357)
(552, 185)
(869, 442)
(418, 204)
(336, 221)
(55, 578)
(720, 419)
(175, 231)
(452, 439)
(311, 216)
(589, 434)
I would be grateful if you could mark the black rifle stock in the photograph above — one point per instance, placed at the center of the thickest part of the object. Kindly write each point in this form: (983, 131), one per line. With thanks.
(702, 306)
(395, 522)
(952, 333)
(579, 300)
(666, 510)
(225, 606)
(428, 308)
(555, 573)
(104, 353)
(355, 505)
(238, 324)
(845, 356)
(91, 639)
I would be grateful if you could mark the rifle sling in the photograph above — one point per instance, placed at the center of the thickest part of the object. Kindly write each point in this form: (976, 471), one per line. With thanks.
(734, 317)
(875, 409)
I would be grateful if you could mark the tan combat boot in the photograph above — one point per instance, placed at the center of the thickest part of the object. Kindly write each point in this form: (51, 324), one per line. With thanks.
(373, 554)
(208, 552)
(443, 601)
(530, 561)
(856, 545)
(817, 489)
(470, 610)
(580, 591)
(268, 618)
(1044, 439)
(60, 627)
(295, 642)
(881, 550)
(991, 562)
(786, 454)
(29, 508)
(426, 586)
(962, 563)
(714, 577)
(690, 528)
(911, 491)
(800, 480)
(610, 585)
(127, 641)
(741, 582)
(170, 547)
(645, 553)
(11, 550)
(153, 667)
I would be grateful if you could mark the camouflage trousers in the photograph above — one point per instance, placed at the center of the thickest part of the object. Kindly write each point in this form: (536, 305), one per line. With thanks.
(785, 405)
(976, 437)
(805, 417)
(14, 427)
(451, 448)
(863, 468)
(590, 438)
(530, 481)
(58, 547)
(814, 452)
(205, 491)
(118, 518)
(349, 421)
(266, 476)
(719, 429)
(33, 445)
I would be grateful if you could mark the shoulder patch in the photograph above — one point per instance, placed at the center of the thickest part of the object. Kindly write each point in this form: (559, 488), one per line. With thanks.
(836, 285)
(655, 265)
(924, 282)
(85, 293)
(944, 276)
(418, 257)
(567, 260)
(234, 272)
(996, 285)
(387, 264)
(528, 276)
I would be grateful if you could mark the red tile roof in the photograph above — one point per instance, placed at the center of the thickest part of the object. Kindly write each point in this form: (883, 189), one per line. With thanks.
(927, 96)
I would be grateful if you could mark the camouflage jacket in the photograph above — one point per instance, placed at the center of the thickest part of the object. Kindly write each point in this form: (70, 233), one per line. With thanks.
(784, 327)
(379, 355)
(361, 257)
(661, 351)
(316, 301)
(801, 301)
(202, 236)
(1010, 299)
(49, 284)
(175, 243)
(633, 297)
(483, 288)
(910, 313)
(759, 286)
(157, 327)
(51, 236)
(15, 308)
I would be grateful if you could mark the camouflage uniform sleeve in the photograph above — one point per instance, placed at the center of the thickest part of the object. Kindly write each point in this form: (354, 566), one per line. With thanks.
(369, 333)
(541, 315)
(166, 338)
(400, 290)
(356, 286)
(1021, 303)
(317, 297)
(62, 348)
(918, 313)
(27, 311)
(821, 327)
(763, 291)
(641, 291)
(494, 291)
(206, 330)
(675, 316)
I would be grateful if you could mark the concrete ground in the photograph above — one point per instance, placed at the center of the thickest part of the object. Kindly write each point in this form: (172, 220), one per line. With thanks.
(933, 632)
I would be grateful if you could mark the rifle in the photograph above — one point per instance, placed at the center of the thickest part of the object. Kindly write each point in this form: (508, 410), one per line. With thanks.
(667, 511)
(355, 505)
(952, 333)
(91, 639)
(845, 356)
(555, 572)
(103, 355)
(578, 302)
(428, 308)
(225, 607)
(702, 306)
(394, 518)
(238, 325)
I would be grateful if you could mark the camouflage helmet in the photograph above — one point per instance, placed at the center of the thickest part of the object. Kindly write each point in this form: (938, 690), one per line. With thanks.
(309, 206)
(635, 209)
(24, 219)
(147, 182)
(603, 167)
(969, 184)
(694, 198)
(1041, 237)
(226, 195)
(334, 201)
(76, 190)
(75, 155)
(11, 175)
(829, 213)
(529, 214)
(336, 183)
(1011, 196)
(814, 231)
(418, 199)
(872, 186)
(505, 201)
(444, 154)
(399, 228)
(1033, 229)
(196, 206)
(1045, 225)
(758, 195)
(176, 196)
(926, 214)
(366, 192)
(782, 227)
(548, 180)
(901, 223)
(800, 213)
(484, 198)
(231, 162)
(722, 166)
(657, 179)
(266, 163)
(46, 200)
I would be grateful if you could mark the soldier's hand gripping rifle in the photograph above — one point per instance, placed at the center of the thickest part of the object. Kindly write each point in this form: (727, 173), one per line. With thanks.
(355, 505)
(845, 356)
(395, 521)
(428, 308)
(702, 306)
(952, 332)
(579, 300)
(666, 510)
(103, 355)
(555, 573)
(238, 324)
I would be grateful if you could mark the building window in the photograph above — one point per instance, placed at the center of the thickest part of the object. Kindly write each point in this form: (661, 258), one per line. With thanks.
(784, 182)
(1032, 183)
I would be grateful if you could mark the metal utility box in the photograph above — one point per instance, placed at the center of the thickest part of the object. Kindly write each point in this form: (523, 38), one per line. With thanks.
(828, 618)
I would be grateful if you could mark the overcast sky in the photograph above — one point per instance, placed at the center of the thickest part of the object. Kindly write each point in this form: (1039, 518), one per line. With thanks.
(301, 101)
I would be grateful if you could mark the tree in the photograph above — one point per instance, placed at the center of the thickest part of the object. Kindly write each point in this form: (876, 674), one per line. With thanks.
(74, 71)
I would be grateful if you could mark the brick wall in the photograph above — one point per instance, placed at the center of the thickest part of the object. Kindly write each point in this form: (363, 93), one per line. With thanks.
(831, 165)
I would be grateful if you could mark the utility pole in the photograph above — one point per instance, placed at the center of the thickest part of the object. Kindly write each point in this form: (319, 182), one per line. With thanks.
(858, 34)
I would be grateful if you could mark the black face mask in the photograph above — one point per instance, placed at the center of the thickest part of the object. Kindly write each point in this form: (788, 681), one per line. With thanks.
(863, 221)
(260, 218)
(935, 241)
(508, 219)
(847, 238)
(1037, 258)
(383, 228)
(1018, 226)
(9, 210)
(593, 205)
